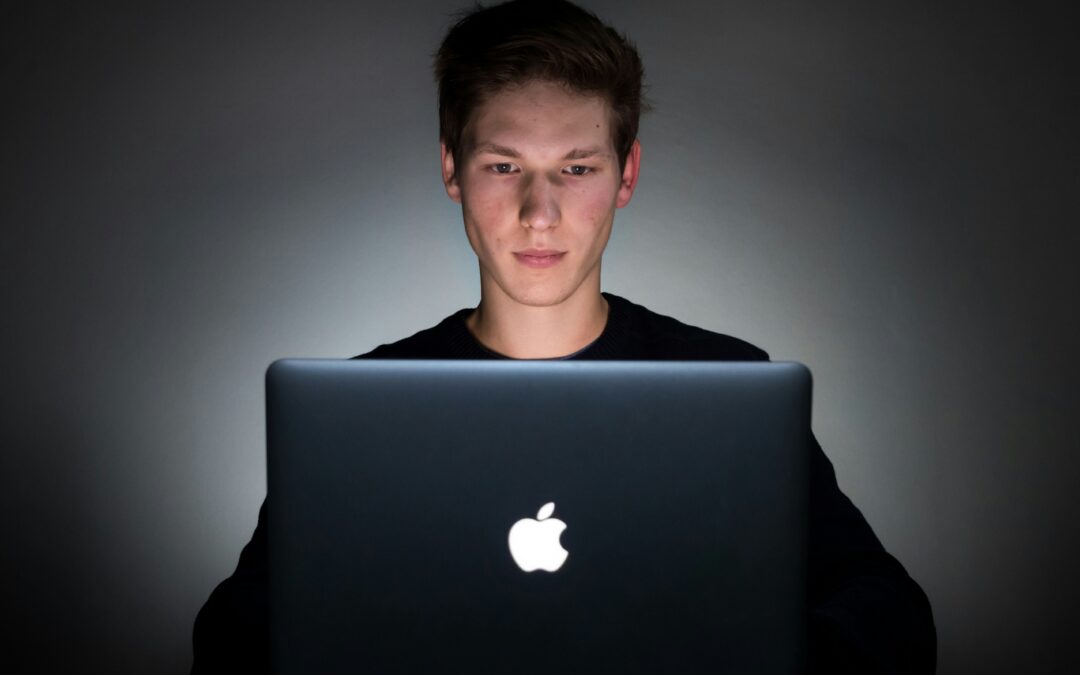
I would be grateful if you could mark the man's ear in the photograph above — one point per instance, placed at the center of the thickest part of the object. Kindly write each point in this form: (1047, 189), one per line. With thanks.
(629, 175)
(449, 175)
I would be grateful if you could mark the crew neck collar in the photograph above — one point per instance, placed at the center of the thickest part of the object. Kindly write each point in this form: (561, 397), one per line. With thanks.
(469, 347)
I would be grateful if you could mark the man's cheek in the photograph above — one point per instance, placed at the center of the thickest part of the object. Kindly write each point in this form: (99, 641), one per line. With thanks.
(493, 211)
(598, 211)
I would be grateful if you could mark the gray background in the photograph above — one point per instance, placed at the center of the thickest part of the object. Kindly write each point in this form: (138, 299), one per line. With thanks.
(885, 192)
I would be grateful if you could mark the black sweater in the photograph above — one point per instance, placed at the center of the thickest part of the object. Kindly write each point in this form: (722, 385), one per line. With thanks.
(866, 614)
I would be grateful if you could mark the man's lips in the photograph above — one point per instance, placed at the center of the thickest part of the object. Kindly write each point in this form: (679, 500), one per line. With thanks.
(536, 257)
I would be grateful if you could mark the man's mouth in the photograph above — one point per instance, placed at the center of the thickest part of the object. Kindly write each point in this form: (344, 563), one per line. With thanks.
(535, 257)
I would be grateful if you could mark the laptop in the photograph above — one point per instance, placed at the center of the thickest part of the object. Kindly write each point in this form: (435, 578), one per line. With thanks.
(537, 517)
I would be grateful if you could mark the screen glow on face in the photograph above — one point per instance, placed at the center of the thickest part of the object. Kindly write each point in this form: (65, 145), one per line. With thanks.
(539, 183)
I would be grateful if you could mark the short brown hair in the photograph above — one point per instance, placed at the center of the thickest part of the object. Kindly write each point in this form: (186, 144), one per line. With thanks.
(492, 48)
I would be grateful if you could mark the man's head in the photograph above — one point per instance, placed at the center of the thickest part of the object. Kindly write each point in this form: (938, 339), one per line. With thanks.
(539, 105)
(493, 48)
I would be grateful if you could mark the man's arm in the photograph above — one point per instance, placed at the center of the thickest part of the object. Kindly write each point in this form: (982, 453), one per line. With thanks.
(231, 630)
(866, 614)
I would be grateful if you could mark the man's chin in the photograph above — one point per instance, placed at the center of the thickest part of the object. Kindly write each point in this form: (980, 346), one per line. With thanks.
(540, 296)
(550, 292)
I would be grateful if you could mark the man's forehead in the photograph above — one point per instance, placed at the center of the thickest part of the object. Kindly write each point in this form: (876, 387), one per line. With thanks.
(541, 115)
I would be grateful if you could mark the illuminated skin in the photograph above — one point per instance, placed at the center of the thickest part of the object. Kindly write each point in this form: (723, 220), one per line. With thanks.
(539, 173)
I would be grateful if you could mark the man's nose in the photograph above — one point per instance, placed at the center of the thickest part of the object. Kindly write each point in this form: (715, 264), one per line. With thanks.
(539, 206)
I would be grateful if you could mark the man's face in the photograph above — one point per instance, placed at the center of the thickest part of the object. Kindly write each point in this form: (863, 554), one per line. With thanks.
(539, 182)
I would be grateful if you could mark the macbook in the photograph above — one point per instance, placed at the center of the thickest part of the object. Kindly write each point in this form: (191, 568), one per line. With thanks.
(537, 517)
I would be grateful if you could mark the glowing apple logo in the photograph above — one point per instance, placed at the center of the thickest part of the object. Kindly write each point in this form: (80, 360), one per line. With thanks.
(534, 544)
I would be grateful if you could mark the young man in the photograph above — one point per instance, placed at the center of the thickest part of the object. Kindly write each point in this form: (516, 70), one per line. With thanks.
(538, 110)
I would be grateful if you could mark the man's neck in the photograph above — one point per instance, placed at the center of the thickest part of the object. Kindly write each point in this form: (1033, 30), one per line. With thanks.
(525, 332)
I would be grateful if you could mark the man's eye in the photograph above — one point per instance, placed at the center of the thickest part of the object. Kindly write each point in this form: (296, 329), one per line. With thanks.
(578, 170)
(502, 167)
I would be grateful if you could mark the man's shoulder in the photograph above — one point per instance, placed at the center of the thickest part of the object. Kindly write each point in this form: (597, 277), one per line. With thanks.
(665, 337)
(441, 341)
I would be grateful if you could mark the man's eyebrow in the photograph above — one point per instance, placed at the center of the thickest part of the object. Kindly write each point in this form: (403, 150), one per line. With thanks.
(496, 149)
(585, 153)
(576, 153)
